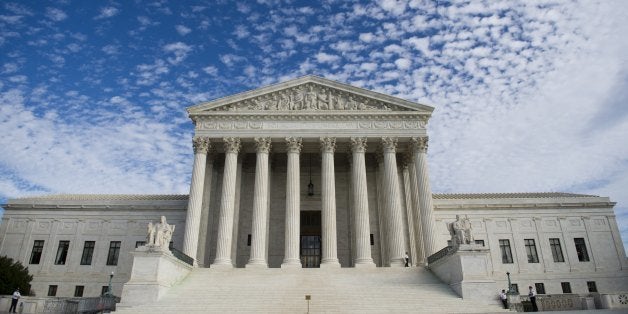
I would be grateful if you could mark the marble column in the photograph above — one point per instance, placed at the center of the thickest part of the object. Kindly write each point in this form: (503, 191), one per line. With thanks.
(260, 205)
(328, 201)
(193, 215)
(396, 243)
(426, 208)
(227, 203)
(293, 205)
(409, 218)
(416, 215)
(360, 204)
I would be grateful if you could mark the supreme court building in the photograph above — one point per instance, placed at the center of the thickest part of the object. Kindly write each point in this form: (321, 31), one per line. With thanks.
(312, 173)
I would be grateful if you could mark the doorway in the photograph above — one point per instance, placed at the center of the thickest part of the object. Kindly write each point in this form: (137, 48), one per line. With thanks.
(310, 245)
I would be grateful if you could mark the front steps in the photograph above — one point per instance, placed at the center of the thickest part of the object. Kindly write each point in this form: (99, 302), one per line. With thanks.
(343, 290)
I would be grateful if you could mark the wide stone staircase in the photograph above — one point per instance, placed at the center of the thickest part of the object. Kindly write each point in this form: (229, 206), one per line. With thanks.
(345, 290)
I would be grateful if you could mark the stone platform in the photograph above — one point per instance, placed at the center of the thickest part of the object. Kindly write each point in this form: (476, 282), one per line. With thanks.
(345, 290)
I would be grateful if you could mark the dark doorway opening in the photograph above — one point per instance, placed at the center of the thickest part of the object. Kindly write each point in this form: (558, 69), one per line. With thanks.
(311, 239)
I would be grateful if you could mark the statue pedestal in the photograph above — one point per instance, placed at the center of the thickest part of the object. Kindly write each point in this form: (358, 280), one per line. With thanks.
(467, 271)
(154, 271)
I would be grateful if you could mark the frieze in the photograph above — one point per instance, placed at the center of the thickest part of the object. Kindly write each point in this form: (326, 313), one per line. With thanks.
(309, 97)
(275, 125)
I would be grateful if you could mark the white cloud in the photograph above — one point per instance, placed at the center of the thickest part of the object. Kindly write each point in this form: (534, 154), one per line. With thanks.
(211, 70)
(182, 30)
(55, 14)
(180, 51)
(107, 12)
(323, 57)
(396, 7)
(111, 49)
(403, 63)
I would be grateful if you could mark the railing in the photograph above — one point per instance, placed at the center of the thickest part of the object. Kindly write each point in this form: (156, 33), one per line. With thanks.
(181, 256)
(81, 305)
(440, 254)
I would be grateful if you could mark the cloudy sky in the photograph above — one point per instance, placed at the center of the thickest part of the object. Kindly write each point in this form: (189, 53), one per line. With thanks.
(529, 95)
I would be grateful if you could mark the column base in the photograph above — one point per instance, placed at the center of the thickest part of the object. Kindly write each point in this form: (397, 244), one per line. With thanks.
(222, 264)
(292, 263)
(331, 263)
(256, 264)
(364, 264)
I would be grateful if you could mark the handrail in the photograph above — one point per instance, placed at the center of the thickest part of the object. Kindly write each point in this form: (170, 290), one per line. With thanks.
(181, 256)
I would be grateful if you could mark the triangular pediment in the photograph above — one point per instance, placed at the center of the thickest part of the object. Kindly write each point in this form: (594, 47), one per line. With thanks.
(308, 94)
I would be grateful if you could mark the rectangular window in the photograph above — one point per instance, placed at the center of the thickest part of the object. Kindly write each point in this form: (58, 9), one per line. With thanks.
(104, 290)
(591, 286)
(88, 252)
(479, 242)
(78, 291)
(248, 240)
(62, 252)
(566, 287)
(539, 287)
(52, 290)
(531, 251)
(114, 252)
(515, 288)
(581, 249)
(38, 247)
(504, 246)
(139, 243)
(372, 239)
(557, 251)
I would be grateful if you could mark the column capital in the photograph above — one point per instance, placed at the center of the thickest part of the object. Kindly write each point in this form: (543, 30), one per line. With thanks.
(420, 143)
(328, 144)
(262, 144)
(201, 144)
(294, 144)
(389, 144)
(358, 144)
(231, 144)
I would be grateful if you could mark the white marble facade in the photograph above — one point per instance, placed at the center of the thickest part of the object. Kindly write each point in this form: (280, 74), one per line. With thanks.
(365, 155)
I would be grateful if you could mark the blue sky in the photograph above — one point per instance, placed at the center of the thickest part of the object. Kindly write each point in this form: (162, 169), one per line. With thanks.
(529, 95)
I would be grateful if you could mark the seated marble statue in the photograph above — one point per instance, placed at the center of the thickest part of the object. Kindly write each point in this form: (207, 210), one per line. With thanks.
(460, 231)
(160, 234)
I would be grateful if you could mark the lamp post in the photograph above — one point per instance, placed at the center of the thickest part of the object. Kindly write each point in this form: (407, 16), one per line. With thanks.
(109, 292)
(509, 284)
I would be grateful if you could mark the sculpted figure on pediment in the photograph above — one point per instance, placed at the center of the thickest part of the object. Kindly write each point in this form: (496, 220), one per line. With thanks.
(308, 97)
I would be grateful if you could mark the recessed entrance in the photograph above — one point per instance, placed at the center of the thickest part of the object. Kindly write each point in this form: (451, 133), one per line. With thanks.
(311, 239)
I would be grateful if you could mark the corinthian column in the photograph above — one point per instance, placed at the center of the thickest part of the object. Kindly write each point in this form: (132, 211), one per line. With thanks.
(416, 215)
(396, 243)
(293, 205)
(260, 205)
(360, 204)
(419, 147)
(328, 196)
(227, 203)
(193, 216)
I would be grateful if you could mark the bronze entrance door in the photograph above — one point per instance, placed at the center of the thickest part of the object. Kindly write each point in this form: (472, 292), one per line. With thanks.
(310, 239)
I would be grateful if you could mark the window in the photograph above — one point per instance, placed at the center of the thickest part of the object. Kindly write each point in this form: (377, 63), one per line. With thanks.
(539, 287)
(557, 251)
(171, 245)
(591, 286)
(52, 290)
(372, 239)
(531, 251)
(566, 287)
(581, 249)
(78, 291)
(504, 246)
(62, 252)
(248, 240)
(139, 243)
(515, 288)
(38, 247)
(88, 252)
(479, 242)
(114, 252)
(104, 290)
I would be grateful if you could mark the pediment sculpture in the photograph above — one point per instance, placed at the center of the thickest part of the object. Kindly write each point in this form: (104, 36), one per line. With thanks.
(312, 97)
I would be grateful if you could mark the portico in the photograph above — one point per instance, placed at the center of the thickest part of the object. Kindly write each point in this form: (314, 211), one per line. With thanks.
(272, 142)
